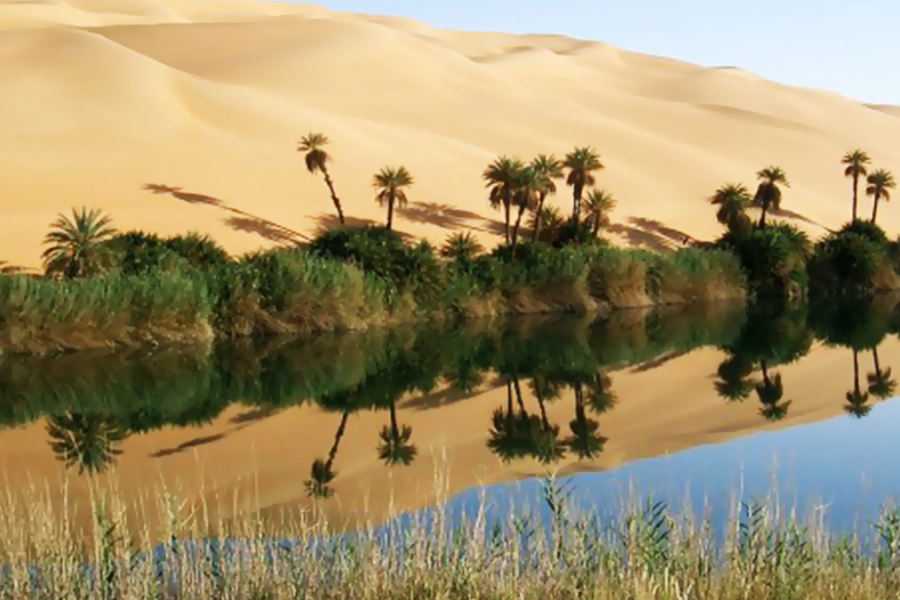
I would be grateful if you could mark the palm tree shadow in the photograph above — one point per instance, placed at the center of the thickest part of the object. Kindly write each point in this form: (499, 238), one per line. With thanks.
(254, 415)
(245, 222)
(188, 445)
(789, 214)
(656, 227)
(326, 221)
(449, 396)
(496, 227)
(639, 238)
(441, 215)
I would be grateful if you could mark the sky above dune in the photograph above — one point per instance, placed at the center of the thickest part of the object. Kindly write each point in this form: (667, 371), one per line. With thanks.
(849, 48)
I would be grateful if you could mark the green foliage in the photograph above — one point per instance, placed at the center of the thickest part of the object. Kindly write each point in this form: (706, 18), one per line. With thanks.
(774, 259)
(846, 262)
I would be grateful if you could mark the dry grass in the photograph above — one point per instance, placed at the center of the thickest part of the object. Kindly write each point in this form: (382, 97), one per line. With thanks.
(647, 552)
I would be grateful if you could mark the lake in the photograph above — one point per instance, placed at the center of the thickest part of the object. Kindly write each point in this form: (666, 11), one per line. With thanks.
(709, 400)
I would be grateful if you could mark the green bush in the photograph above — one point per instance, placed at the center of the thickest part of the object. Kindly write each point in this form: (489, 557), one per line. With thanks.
(846, 262)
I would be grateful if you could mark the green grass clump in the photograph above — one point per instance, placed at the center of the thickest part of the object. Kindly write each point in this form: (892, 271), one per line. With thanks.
(47, 315)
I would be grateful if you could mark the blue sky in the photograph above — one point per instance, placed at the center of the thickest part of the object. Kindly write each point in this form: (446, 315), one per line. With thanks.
(852, 48)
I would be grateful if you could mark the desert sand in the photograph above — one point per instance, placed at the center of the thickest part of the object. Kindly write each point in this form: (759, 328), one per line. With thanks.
(101, 97)
(264, 462)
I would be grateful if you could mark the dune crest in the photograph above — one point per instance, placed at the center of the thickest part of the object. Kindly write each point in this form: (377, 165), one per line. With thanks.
(102, 97)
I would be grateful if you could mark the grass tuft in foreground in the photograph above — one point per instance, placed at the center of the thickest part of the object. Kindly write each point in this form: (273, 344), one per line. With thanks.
(647, 550)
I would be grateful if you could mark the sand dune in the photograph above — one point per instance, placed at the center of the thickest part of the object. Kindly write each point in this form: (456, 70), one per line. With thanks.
(101, 97)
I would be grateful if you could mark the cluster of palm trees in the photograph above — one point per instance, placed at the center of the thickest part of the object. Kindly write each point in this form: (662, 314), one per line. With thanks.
(733, 199)
(514, 186)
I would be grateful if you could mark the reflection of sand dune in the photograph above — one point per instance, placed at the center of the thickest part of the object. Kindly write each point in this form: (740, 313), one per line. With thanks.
(662, 410)
(101, 96)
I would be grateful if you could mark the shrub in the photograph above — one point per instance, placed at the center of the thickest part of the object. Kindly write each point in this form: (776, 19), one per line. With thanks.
(846, 262)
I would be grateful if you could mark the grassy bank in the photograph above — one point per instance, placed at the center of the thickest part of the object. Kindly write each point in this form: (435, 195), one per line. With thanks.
(347, 280)
(642, 550)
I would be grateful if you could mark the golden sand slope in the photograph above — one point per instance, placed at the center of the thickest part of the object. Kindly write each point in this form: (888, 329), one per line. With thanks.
(100, 97)
(663, 410)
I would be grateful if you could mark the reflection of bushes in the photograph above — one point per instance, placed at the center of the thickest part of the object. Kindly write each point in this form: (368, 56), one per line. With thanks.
(368, 370)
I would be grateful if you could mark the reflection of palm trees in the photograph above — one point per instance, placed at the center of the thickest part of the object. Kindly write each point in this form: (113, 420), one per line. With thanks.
(89, 441)
(546, 447)
(321, 473)
(585, 442)
(600, 394)
(733, 383)
(770, 392)
(857, 399)
(881, 385)
(505, 440)
(395, 448)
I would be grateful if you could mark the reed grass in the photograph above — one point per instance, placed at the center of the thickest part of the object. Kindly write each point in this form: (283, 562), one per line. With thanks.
(645, 549)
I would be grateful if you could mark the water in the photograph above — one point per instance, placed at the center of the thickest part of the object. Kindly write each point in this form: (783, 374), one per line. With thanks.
(715, 400)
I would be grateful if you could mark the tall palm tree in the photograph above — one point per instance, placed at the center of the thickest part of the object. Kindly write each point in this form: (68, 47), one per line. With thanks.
(768, 194)
(547, 447)
(600, 395)
(322, 472)
(856, 161)
(880, 182)
(581, 163)
(857, 399)
(502, 178)
(770, 392)
(77, 245)
(395, 448)
(881, 385)
(598, 204)
(547, 168)
(733, 200)
(317, 160)
(585, 442)
(90, 442)
(548, 223)
(525, 197)
(391, 183)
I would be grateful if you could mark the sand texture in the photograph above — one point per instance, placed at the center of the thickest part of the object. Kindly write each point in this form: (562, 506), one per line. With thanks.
(102, 97)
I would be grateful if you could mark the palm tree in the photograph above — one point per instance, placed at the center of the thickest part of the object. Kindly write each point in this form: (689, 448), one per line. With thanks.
(317, 161)
(549, 222)
(856, 398)
(547, 169)
(502, 178)
(546, 447)
(395, 448)
(733, 200)
(90, 442)
(525, 197)
(879, 183)
(601, 396)
(770, 392)
(581, 163)
(598, 205)
(76, 245)
(391, 183)
(461, 246)
(584, 441)
(733, 383)
(881, 385)
(505, 439)
(768, 194)
(856, 162)
(322, 473)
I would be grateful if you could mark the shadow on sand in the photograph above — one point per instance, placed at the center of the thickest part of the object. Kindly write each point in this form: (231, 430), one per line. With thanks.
(245, 222)
(200, 441)
(441, 215)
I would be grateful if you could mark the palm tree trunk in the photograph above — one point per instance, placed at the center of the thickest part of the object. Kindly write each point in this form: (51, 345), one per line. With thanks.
(856, 371)
(337, 439)
(578, 188)
(515, 233)
(762, 217)
(855, 193)
(515, 380)
(537, 220)
(877, 366)
(580, 414)
(765, 372)
(875, 207)
(390, 219)
(334, 198)
(596, 226)
(507, 199)
(395, 430)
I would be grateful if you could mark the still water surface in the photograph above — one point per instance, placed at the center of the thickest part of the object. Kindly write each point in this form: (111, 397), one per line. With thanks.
(711, 400)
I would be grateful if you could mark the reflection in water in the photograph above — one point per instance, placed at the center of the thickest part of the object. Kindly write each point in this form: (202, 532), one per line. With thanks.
(93, 402)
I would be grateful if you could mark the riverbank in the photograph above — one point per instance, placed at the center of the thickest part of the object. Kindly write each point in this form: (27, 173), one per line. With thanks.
(300, 291)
